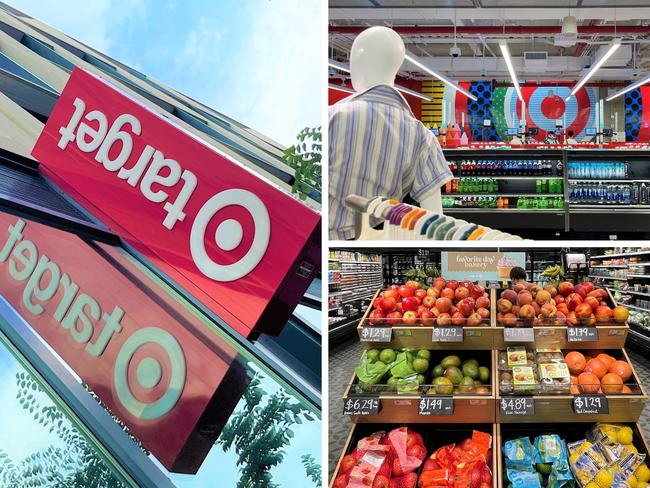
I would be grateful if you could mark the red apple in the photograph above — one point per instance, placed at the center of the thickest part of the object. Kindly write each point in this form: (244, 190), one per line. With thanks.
(447, 293)
(409, 318)
(427, 317)
(483, 302)
(390, 293)
(443, 304)
(558, 299)
(458, 319)
(406, 291)
(381, 481)
(388, 305)
(443, 319)
(474, 320)
(589, 320)
(429, 301)
(376, 303)
(465, 306)
(413, 284)
(476, 291)
(410, 304)
(420, 310)
(439, 283)
(432, 292)
(394, 318)
(377, 317)
(571, 318)
(580, 290)
(589, 285)
(420, 293)
(453, 284)
(483, 312)
(461, 293)
(573, 300)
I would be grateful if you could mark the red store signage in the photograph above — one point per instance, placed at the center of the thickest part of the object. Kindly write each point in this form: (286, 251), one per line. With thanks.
(134, 348)
(247, 245)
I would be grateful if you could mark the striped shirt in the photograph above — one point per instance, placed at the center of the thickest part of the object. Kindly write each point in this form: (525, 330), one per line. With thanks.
(378, 148)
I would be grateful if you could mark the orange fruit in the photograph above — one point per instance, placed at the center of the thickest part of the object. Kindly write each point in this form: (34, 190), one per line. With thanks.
(622, 369)
(606, 359)
(612, 383)
(597, 367)
(575, 389)
(589, 382)
(576, 362)
(626, 389)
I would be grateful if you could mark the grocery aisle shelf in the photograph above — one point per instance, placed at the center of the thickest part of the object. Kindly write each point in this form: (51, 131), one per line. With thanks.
(631, 292)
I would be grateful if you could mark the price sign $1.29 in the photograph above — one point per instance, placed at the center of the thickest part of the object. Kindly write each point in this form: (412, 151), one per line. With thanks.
(376, 334)
(590, 404)
(361, 405)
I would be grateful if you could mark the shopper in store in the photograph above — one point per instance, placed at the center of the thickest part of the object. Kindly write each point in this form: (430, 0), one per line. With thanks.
(570, 139)
(518, 275)
(376, 145)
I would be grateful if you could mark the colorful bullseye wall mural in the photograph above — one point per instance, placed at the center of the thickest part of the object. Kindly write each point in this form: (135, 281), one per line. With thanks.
(545, 106)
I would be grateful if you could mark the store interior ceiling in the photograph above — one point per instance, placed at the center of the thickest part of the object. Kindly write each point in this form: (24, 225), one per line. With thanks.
(427, 28)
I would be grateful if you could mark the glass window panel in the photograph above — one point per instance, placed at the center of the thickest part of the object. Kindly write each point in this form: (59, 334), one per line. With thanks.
(39, 444)
(47, 52)
(265, 409)
(8, 64)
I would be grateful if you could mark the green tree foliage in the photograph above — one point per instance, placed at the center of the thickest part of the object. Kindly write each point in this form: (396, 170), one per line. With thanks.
(73, 465)
(259, 432)
(305, 159)
(312, 468)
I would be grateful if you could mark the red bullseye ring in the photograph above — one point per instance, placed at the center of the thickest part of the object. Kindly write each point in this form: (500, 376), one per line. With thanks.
(553, 107)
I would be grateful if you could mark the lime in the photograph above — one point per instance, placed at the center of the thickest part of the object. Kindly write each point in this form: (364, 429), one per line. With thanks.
(372, 354)
(387, 356)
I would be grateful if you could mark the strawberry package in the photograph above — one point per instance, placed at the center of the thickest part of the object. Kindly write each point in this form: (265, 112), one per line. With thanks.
(383, 460)
(463, 465)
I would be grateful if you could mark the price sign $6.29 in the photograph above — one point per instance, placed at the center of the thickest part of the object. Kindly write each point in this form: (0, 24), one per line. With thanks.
(360, 405)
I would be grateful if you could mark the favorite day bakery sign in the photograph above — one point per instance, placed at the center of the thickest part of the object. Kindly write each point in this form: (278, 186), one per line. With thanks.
(249, 249)
(474, 266)
(137, 349)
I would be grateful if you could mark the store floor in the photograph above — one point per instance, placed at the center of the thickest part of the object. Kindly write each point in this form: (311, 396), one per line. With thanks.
(344, 358)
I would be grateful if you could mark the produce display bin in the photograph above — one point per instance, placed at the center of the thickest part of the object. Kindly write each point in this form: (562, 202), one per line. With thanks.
(558, 408)
(610, 336)
(569, 433)
(434, 438)
(404, 408)
(475, 338)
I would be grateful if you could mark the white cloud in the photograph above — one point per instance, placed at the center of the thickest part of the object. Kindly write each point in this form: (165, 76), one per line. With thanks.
(201, 45)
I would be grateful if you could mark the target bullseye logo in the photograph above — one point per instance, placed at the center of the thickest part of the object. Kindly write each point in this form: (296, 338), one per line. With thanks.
(229, 235)
(149, 373)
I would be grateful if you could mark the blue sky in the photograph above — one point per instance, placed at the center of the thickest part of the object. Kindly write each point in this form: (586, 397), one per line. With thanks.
(257, 61)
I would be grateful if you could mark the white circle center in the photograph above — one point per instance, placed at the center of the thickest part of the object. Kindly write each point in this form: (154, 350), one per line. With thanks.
(149, 373)
(229, 234)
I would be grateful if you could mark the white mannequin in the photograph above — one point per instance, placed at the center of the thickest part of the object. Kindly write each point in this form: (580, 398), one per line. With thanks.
(376, 56)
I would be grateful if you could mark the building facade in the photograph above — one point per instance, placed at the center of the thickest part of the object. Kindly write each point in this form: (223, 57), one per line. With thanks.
(122, 364)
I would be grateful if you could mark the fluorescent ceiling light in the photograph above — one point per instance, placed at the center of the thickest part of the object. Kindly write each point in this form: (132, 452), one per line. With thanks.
(506, 56)
(408, 91)
(341, 88)
(338, 66)
(441, 77)
(616, 43)
(628, 88)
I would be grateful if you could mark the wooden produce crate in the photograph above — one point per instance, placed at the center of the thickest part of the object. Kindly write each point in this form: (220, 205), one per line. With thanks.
(559, 408)
(404, 408)
(420, 336)
(610, 336)
(434, 437)
(569, 433)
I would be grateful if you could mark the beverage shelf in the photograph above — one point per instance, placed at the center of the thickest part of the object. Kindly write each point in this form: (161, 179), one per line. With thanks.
(631, 292)
(622, 255)
(509, 195)
(519, 210)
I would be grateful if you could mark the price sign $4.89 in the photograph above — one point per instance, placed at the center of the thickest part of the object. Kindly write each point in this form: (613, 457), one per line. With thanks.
(517, 406)
(361, 405)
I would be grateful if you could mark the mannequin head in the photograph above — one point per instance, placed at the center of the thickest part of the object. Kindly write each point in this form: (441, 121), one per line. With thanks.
(376, 56)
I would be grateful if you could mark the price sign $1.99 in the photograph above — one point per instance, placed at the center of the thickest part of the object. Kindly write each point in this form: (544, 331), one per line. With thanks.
(361, 405)
(590, 404)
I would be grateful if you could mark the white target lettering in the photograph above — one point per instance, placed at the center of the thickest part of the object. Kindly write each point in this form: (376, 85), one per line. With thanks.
(149, 373)
(229, 235)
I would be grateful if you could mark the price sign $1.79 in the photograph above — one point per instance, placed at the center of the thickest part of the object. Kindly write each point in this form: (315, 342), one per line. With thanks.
(361, 405)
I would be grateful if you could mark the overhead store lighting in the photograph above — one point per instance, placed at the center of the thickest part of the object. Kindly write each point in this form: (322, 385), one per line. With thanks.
(511, 69)
(408, 91)
(441, 77)
(616, 43)
(338, 66)
(628, 88)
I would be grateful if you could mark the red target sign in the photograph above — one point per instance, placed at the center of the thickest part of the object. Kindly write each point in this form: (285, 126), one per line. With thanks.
(240, 245)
